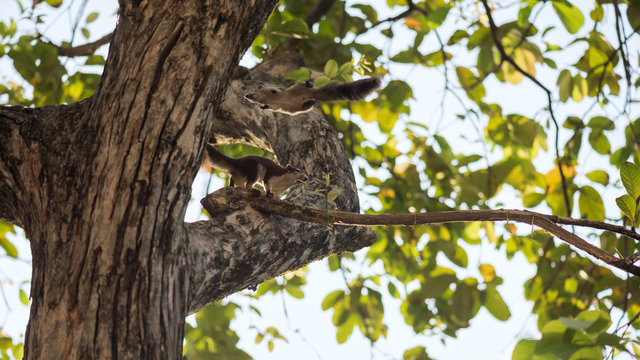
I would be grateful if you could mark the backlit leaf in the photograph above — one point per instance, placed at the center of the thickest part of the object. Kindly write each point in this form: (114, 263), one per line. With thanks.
(569, 14)
(627, 205)
(495, 304)
(487, 271)
(630, 176)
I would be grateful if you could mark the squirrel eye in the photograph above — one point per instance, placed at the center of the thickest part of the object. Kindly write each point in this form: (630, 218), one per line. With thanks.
(273, 91)
(259, 87)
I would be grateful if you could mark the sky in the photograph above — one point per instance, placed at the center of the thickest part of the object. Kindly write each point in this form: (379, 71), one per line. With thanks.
(309, 330)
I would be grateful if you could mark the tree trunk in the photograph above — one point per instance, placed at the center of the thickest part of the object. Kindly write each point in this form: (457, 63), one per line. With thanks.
(101, 186)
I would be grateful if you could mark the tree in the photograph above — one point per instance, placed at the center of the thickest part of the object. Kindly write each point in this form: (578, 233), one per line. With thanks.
(101, 184)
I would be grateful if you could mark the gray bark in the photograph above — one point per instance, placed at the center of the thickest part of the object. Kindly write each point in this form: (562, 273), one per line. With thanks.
(101, 186)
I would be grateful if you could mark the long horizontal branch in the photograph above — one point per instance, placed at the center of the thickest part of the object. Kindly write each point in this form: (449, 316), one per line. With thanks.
(329, 218)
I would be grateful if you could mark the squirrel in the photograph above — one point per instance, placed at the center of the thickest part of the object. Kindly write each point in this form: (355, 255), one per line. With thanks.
(250, 170)
(302, 97)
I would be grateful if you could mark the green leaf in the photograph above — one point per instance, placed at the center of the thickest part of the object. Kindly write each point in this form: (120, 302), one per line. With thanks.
(368, 11)
(578, 88)
(570, 285)
(601, 122)
(294, 290)
(295, 28)
(532, 199)
(416, 353)
(524, 350)
(599, 142)
(565, 82)
(334, 262)
(437, 17)
(495, 304)
(302, 73)
(601, 320)
(590, 204)
(331, 68)
(570, 15)
(321, 81)
(91, 17)
(54, 3)
(24, 298)
(475, 89)
(633, 15)
(597, 14)
(331, 299)
(85, 32)
(576, 324)
(8, 247)
(630, 176)
(599, 176)
(628, 206)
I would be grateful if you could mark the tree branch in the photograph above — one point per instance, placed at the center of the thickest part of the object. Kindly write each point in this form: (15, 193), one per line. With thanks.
(252, 246)
(245, 247)
(216, 207)
(505, 57)
(85, 49)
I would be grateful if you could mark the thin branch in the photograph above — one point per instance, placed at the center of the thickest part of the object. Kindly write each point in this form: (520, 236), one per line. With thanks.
(395, 18)
(85, 49)
(330, 218)
(623, 54)
(509, 59)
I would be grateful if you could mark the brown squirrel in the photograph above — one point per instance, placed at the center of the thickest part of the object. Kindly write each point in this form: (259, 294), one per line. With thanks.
(301, 98)
(250, 170)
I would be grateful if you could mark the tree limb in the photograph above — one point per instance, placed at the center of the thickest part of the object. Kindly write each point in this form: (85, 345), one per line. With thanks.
(85, 49)
(245, 247)
(219, 208)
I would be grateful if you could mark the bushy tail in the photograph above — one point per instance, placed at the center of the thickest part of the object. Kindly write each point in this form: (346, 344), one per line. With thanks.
(214, 158)
(352, 91)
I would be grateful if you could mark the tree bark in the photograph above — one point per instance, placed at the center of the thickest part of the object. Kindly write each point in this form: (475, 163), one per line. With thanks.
(101, 186)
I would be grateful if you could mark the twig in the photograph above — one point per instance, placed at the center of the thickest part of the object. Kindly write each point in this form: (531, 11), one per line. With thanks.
(85, 49)
(623, 54)
(509, 59)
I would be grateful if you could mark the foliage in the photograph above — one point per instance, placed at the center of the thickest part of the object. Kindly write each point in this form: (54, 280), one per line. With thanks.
(500, 152)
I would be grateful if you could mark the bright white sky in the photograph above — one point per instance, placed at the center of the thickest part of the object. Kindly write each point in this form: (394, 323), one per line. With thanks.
(309, 330)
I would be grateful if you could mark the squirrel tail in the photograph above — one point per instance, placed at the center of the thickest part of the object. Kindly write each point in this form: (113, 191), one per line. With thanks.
(214, 158)
(352, 91)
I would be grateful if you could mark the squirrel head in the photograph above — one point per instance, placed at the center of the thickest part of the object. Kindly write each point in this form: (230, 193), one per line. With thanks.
(269, 96)
(297, 172)
(293, 100)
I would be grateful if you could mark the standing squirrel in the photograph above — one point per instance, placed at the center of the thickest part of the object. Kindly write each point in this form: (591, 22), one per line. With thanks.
(250, 170)
(302, 97)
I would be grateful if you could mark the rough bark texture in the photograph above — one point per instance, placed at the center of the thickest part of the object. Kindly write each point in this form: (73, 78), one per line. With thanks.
(101, 186)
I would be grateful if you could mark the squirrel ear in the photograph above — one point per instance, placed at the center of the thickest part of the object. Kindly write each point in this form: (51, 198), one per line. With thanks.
(308, 104)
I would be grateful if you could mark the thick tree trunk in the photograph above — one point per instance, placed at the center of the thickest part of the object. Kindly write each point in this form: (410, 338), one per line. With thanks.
(101, 186)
